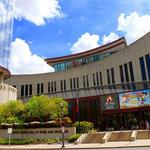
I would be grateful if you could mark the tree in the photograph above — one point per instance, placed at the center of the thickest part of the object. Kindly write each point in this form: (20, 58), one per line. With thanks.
(12, 112)
(43, 108)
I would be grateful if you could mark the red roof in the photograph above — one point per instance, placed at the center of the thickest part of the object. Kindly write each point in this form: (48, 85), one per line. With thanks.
(5, 71)
(102, 48)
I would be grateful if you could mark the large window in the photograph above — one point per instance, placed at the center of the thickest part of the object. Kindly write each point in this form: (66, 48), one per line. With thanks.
(126, 72)
(97, 78)
(70, 84)
(79, 61)
(94, 84)
(112, 75)
(84, 82)
(121, 73)
(143, 71)
(147, 57)
(30, 89)
(100, 76)
(131, 71)
(108, 76)
(22, 90)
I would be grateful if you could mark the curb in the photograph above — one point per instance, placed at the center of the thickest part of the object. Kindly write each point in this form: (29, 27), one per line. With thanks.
(70, 148)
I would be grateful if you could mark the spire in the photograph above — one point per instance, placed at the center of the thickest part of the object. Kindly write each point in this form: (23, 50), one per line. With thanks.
(6, 29)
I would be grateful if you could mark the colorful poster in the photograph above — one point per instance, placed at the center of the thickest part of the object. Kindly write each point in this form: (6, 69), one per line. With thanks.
(109, 102)
(134, 99)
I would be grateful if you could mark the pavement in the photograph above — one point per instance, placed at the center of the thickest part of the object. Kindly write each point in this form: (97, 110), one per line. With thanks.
(108, 145)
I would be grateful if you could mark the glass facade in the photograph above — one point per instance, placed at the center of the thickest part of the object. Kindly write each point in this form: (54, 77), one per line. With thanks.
(79, 62)
(6, 27)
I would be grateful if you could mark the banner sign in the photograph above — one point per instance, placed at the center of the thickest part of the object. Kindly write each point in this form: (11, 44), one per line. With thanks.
(134, 99)
(109, 102)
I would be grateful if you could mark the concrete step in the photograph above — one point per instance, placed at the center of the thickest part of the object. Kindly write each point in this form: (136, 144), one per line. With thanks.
(120, 136)
(143, 135)
(93, 138)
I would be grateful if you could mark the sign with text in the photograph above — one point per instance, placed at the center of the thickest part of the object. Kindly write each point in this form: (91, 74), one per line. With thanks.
(134, 99)
(9, 130)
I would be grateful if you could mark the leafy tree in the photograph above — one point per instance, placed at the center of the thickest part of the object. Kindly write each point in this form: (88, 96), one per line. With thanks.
(43, 108)
(12, 112)
(56, 109)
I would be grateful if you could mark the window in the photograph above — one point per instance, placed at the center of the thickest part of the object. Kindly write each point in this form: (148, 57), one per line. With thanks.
(131, 71)
(108, 76)
(61, 85)
(147, 57)
(84, 82)
(74, 83)
(77, 82)
(143, 71)
(100, 76)
(26, 90)
(97, 78)
(87, 80)
(30, 89)
(64, 84)
(22, 90)
(42, 88)
(52, 88)
(55, 88)
(121, 73)
(38, 88)
(126, 72)
(112, 75)
(48, 87)
(94, 84)
(71, 84)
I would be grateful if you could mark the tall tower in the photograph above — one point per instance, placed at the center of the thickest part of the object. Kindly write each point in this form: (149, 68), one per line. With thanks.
(7, 92)
(6, 27)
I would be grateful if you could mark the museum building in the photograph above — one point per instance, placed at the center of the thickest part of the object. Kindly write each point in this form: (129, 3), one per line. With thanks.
(103, 85)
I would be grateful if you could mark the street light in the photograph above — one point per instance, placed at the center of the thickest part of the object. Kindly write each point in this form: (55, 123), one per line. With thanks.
(77, 108)
(62, 125)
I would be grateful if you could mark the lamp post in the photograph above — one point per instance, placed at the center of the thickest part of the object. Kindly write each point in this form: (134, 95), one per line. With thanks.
(77, 109)
(62, 125)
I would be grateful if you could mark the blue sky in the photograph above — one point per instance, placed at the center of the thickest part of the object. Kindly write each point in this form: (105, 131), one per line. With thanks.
(71, 26)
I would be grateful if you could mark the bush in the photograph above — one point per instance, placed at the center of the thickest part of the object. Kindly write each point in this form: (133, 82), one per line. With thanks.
(17, 141)
(73, 138)
(51, 141)
(83, 126)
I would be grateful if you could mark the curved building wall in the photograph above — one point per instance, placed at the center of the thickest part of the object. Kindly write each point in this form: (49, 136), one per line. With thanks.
(115, 73)
(7, 92)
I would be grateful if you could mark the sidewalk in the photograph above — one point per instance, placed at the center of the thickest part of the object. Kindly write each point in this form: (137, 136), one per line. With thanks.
(137, 143)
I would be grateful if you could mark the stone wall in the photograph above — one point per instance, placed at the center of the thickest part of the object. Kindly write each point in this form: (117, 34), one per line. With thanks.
(37, 133)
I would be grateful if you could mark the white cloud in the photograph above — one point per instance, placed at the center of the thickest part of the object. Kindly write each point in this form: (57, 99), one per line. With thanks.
(110, 38)
(37, 11)
(134, 25)
(24, 62)
(85, 42)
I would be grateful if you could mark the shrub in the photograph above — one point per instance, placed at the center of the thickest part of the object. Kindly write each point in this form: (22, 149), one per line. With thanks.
(73, 138)
(83, 126)
(17, 141)
(51, 141)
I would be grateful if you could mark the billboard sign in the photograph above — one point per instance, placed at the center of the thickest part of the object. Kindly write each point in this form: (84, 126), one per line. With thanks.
(134, 99)
(109, 102)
